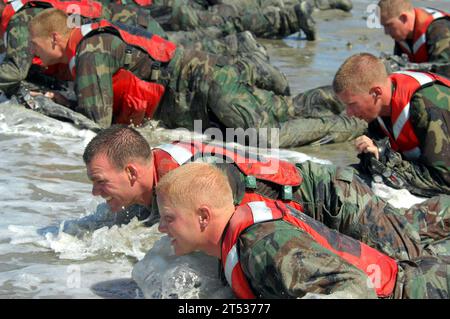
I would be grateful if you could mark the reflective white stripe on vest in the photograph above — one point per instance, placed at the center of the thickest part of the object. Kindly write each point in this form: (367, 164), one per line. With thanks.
(434, 13)
(178, 153)
(17, 5)
(86, 28)
(401, 121)
(420, 41)
(419, 77)
(260, 211)
(230, 263)
(72, 64)
(5, 39)
(412, 154)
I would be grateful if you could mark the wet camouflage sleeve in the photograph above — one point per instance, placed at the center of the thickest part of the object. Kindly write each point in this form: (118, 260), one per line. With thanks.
(282, 261)
(430, 118)
(438, 43)
(337, 197)
(17, 62)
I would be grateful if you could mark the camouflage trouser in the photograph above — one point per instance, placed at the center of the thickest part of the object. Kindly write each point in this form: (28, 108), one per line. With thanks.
(241, 46)
(202, 88)
(318, 102)
(267, 22)
(211, 40)
(423, 278)
(239, 105)
(338, 198)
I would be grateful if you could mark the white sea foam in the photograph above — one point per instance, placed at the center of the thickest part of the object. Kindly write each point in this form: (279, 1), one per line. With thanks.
(161, 274)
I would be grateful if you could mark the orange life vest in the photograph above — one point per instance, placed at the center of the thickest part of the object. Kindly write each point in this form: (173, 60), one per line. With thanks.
(418, 53)
(134, 99)
(407, 83)
(88, 9)
(381, 269)
(170, 156)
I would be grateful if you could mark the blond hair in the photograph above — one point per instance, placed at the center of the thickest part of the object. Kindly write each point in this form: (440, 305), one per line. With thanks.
(359, 73)
(195, 184)
(48, 21)
(394, 8)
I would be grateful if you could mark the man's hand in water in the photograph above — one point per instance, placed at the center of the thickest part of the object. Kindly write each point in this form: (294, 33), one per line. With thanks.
(55, 96)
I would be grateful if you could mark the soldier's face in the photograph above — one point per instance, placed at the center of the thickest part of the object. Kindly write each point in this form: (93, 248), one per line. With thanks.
(45, 49)
(181, 225)
(111, 183)
(361, 105)
(396, 28)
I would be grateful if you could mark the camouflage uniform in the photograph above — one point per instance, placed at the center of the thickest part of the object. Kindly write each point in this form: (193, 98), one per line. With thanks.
(283, 261)
(345, 5)
(265, 18)
(430, 118)
(266, 22)
(319, 102)
(210, 39)
(199, 86)
(133, 15)
(338, 198)
(438, 47)
(18, 59)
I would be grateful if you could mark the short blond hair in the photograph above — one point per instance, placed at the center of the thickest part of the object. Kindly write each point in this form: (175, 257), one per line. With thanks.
(359, 73)
(195, 184)
(48, 21)
(394, 8)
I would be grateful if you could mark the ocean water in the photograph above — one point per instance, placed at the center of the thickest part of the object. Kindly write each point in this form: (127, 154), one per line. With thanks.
(43, 186)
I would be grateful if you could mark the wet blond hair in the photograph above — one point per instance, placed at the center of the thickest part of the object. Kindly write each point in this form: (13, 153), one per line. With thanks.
(48, 21)
(394, 8)
(196, 184)
(359, 73)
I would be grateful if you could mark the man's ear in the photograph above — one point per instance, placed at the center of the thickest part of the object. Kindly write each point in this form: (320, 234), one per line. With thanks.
(55, 37)
(403, 18)
(132, 173)
(376, 92)
(204, 214)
